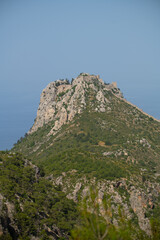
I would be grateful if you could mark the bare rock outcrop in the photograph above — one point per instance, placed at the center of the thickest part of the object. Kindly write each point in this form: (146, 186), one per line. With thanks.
(60, 101)
(138, 202)
(7, 222)
(135, 198)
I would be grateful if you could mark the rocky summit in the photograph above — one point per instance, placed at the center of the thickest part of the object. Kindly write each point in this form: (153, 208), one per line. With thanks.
(61, 101)
(85, 136)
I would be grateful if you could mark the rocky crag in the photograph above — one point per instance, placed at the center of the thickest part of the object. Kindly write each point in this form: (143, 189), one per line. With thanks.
(86, 134)
(135, 200)
(60, 101)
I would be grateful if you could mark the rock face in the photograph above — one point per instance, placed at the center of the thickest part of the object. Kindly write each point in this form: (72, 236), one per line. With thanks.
(138, 202)
(132, 197)
(60, 101)
(7, 222)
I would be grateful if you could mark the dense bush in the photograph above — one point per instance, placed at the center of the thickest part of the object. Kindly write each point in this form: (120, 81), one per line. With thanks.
(37, 203)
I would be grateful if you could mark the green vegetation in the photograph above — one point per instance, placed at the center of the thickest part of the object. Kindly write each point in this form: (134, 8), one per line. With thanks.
(38, 206)
(85, 163)
(120, 145)
(78, 145)
(96, 225)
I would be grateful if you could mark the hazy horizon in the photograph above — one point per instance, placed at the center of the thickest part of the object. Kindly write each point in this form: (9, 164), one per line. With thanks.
(42, 41)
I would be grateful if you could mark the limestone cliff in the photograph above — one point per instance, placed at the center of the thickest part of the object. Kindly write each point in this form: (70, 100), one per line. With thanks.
(60, 101)
(89, 135)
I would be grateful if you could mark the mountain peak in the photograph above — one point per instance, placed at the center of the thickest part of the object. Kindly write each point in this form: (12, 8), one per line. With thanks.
(61, 100)
(93, 137)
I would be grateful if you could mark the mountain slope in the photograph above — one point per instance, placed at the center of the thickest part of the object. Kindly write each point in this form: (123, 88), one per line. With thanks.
(106, 125)
(85, 133)
(30, 207)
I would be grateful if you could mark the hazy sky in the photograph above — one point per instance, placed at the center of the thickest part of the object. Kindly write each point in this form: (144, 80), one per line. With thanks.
(41, 41)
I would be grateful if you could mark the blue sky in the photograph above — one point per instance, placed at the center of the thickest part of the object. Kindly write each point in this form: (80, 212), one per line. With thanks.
(41, 41)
